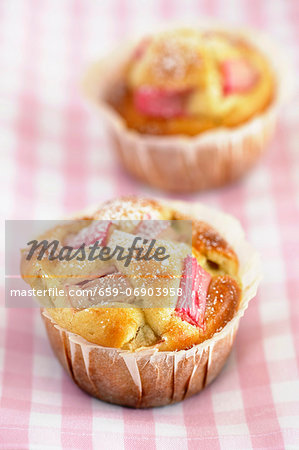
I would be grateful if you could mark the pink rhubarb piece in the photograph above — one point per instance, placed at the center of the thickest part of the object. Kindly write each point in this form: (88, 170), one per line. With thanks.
(238, 76)
(97, 231)
(195, 282)
(160, 103)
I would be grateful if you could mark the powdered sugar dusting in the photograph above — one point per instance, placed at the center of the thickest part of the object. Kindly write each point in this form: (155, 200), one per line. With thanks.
(131, 209)
(174, 56)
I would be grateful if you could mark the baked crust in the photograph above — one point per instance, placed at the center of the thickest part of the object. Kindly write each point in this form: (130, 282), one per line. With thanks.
(191, 62)
(129, 327)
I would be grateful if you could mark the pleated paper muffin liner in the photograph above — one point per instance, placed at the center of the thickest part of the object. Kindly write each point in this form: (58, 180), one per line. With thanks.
(147, 377)
(180, 163)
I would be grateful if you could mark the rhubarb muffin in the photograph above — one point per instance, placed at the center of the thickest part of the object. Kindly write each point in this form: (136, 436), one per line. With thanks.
(187, 81)
(187, 97)
(165, 284)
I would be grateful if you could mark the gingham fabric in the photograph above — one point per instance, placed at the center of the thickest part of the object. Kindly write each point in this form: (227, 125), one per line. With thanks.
(55, 159)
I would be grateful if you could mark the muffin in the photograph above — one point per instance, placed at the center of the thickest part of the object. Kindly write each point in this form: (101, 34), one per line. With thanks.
(150, 332)
(188, 109)
(186, 82)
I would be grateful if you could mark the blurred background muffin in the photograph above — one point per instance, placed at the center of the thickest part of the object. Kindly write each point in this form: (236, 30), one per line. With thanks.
(190, 108)
(185, 81)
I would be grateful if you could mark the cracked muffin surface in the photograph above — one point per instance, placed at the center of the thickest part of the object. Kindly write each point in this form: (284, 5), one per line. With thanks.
(199, 308)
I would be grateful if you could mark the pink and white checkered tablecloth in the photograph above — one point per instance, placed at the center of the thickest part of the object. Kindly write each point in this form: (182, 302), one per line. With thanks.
(55, 159)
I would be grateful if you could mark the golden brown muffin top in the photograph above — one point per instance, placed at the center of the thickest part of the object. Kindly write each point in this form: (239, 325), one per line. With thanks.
(134, 321)
(186, 81)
